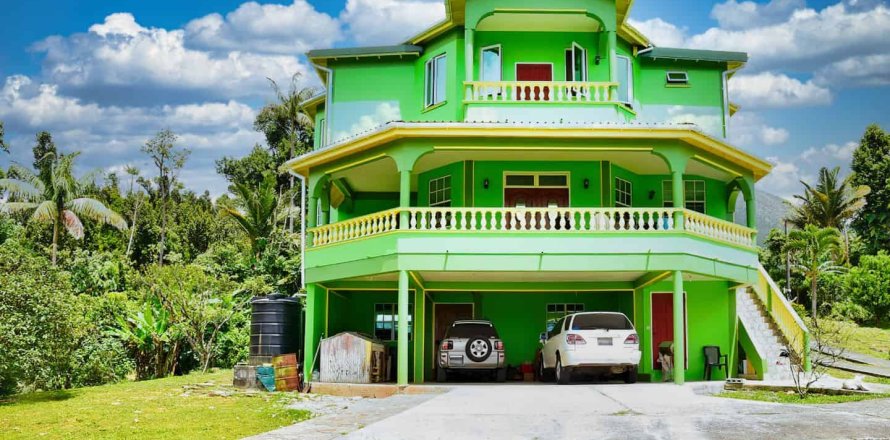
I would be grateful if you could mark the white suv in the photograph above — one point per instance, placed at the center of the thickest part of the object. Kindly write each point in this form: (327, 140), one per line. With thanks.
(604, 342)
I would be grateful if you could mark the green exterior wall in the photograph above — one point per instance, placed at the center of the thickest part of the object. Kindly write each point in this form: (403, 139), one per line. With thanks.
(494, 172)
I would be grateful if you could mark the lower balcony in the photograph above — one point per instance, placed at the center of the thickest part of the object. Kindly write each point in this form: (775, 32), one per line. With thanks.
(649, 222)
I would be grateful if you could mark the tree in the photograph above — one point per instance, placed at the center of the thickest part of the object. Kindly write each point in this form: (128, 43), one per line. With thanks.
(55, 197)
(153, 341)
(254, 211)
(133, 172)
(830, 204)
(871, 166)
(814, 251)
(3, 145)
(868, 285)
(200, 304)
(169, 160)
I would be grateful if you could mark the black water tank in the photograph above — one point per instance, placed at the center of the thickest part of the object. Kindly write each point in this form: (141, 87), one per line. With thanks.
(276, 327)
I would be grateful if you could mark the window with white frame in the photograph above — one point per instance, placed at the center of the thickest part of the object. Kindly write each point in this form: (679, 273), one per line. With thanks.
(434, 81)
(386, 321)
(440, 191)
(675, 78)
(491, 68)
(623, 193)
(624, 74)
(320, 132)
(694, 194)
(555, 312)
(576, 63)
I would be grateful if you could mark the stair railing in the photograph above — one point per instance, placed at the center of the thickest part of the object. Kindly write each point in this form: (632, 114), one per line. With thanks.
(788, 321)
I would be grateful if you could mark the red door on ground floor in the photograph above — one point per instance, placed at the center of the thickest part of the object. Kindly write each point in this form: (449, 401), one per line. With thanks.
(663, 324)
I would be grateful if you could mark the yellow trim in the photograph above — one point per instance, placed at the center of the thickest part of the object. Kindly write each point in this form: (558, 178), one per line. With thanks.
(733, 108)
(759, 167)
(357, 163)
(714, 164)
(416, 279)
(327, 311)
(632, 35)
(677, 86)
(471, 148)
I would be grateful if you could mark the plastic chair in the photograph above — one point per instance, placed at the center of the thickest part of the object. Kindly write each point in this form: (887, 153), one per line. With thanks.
(713, 359)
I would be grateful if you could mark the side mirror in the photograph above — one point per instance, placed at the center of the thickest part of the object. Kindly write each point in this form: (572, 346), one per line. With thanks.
(543, 337)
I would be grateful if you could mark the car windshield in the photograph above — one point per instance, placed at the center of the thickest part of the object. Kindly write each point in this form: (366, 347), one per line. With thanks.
(596, 321)
(472, 330)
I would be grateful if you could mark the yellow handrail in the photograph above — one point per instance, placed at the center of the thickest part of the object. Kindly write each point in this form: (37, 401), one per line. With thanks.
(792, 327)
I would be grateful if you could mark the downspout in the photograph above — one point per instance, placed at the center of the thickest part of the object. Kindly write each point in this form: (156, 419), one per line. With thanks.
(726, 100)
(648, 49)
(329, 91)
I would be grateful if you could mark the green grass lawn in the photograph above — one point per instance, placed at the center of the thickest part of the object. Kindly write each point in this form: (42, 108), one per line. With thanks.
(175, 407)
(784, 397)
(873, 341)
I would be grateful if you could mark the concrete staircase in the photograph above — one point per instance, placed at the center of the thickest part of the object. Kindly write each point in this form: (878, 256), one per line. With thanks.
(764, 334)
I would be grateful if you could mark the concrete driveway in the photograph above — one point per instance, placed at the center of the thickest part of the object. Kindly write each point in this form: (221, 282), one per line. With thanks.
(640, 411)
(582, 411)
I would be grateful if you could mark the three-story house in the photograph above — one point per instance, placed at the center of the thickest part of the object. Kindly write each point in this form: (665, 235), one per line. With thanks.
(522, 160)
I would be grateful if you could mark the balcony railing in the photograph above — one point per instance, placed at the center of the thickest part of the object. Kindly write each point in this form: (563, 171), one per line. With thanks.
(539, 91)
(532, 220)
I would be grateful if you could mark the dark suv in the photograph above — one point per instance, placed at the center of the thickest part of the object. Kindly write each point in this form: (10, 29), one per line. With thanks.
(471, 345)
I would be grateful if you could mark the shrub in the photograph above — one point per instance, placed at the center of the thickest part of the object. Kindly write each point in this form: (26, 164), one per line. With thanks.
(38, 329)
(868, 285)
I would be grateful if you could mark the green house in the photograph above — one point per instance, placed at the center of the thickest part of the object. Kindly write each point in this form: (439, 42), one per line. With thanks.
(522, 160)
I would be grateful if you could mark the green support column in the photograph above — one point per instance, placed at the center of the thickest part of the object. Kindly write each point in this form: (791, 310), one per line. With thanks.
(315, 322)
(402, 368)
(469, 54)
(613, 60)
(679, 331)
(326, 205)
(419, 333)
(679, 198)
(751, 210)
(404, 197)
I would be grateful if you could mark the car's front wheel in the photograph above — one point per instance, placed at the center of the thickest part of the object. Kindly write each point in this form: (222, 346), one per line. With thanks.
(563, 374)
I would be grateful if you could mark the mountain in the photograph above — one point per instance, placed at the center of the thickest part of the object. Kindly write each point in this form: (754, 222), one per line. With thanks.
(771, 212)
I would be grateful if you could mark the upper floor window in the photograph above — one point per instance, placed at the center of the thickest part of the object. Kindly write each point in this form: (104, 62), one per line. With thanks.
(440, 191)
(434, 81)
(491, 67)
(625, 76)
(694, 194)
(576, 63)
(623, 192)
(320, 132)
(677, 78)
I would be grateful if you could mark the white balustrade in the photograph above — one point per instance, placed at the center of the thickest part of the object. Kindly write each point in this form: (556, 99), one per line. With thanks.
(532, 220)
(539, 91)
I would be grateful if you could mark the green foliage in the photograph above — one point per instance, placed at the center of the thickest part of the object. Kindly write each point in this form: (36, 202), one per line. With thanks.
(254, 211)
(871, 167)
(97, 273)
(250, 169)
(151, 339)
(868, 286)
(814, 252)
(39, 329)
(829, 204)
(3, 145)
(200, 305)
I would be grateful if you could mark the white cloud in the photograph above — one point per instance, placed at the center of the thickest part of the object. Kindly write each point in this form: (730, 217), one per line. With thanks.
(768, 89)
(871, 70)
(121, 62)
(739, 15)
(748, 130)
(808, 39)
(403, 19)
(785, 178)
(285, 29)
(840, 154)
(111, 136)
(660, 32)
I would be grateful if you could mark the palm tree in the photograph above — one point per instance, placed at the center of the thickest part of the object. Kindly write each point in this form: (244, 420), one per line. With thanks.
(832, 203)
(254, 211)
(815, 252)
(55, 197)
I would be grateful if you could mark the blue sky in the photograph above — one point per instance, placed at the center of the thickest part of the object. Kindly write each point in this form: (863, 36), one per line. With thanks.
(103, 76)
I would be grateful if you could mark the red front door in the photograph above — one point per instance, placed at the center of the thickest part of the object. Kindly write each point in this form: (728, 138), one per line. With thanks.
(535, 72)
(663, 323)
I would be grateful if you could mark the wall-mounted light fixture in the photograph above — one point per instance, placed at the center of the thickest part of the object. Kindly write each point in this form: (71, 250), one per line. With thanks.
(651, 194)
(586, 183)
(597, 59)
(485, 183)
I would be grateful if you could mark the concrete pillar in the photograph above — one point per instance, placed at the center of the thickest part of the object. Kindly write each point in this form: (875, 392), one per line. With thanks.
(419, 333)
(311, 218)
(404, 197)
(326, 204)
(679, 198)
(613, 60)
(469, 54)
(751, 210)
(679, 330)
(315, 324)
(402, 368)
